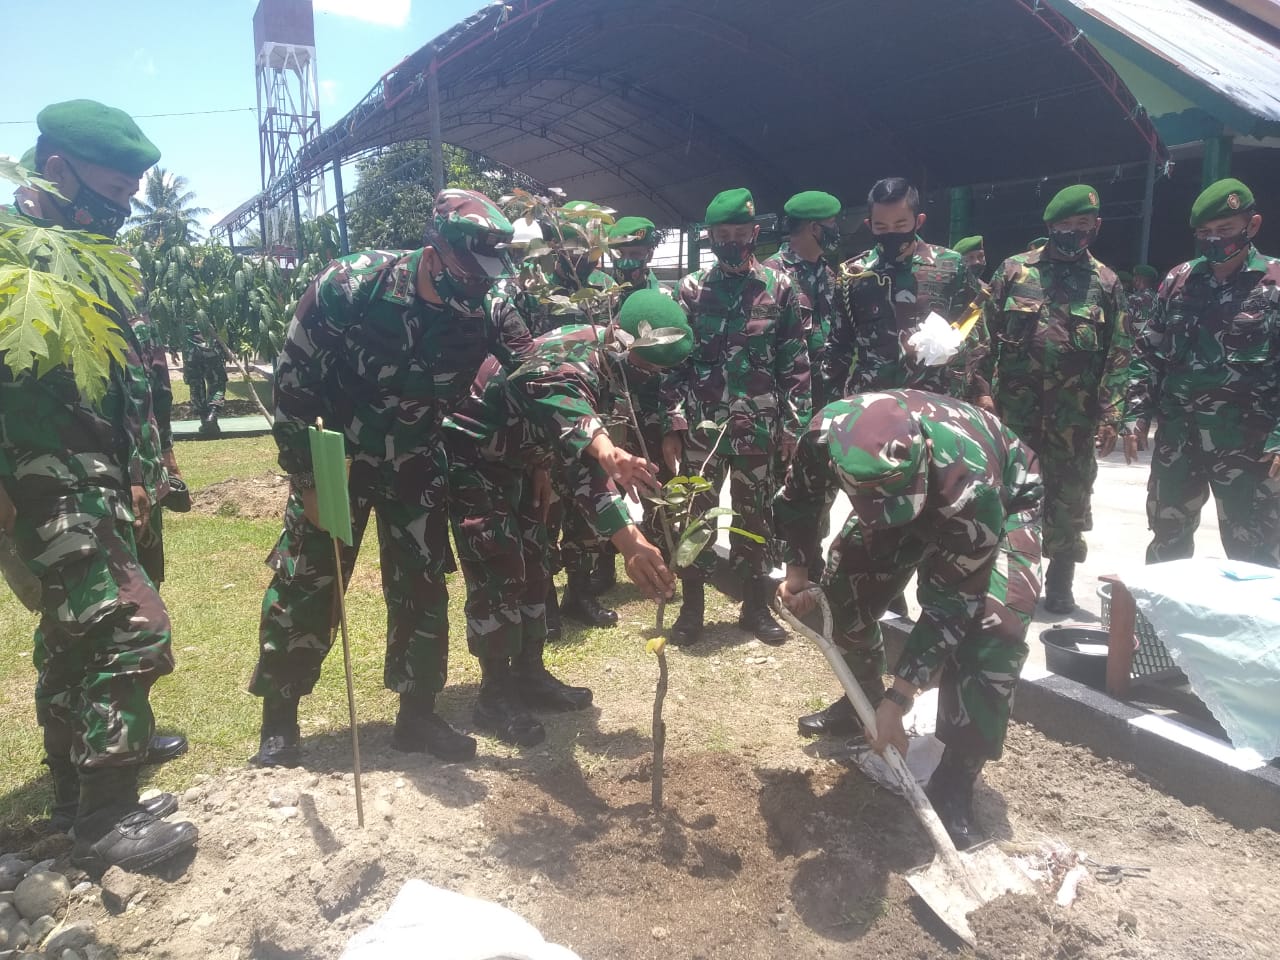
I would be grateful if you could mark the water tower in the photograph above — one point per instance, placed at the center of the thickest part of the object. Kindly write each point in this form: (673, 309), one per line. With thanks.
(284, 39)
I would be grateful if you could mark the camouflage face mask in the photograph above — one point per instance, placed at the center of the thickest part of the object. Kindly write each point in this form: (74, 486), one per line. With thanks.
(1072, 243)
(1222, 249)
(733, 253)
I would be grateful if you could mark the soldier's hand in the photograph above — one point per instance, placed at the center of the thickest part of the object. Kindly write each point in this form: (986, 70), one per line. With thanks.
(631, 473)
(644, 564)
(889, 729)
(1130, 448)
(171, 462)
(141, 507)
(8, 512)
(1105, 440)
(798, 598)
(542, 493)
(310, 505)
(1274, 472)
(787, 447)
(985, 402)
(1142, 428)
(672, 451)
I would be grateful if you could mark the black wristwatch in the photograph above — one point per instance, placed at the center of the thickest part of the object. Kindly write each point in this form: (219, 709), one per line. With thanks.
(901, 699)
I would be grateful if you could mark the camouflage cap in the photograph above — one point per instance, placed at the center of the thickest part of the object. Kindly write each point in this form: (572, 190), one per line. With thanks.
(92, 131)
(471, 235)
(968, 244)
(1222, 199)
(1146, 270)
(1071, 201)
(878, 451)
(632, 230)
(664, 317)
(731, 206)
(812, 205)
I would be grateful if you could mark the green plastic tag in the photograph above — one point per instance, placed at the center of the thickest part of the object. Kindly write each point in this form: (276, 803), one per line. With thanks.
(329, 464)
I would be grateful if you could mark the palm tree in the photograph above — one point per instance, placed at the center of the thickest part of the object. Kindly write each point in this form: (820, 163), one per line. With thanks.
(167, 212)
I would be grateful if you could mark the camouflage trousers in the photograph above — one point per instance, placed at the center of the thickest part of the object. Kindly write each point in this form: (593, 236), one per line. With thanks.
(1183, 474)
(572, 542)
(751, 489)
(102, 641)
(1069, 466)
(207, 378)
(504, 549)
(977, 682)
(299, 612)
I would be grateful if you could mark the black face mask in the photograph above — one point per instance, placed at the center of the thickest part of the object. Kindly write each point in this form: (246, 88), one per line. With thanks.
(1071, 243)
(732, 253)
(893, 245)
(830, 239)
(91, 211)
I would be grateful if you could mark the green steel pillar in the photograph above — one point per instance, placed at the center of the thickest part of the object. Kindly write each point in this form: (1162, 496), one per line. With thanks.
(961, 214)
(1217, 159)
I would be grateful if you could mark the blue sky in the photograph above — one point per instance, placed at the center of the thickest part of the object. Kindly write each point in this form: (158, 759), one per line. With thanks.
(161, 57)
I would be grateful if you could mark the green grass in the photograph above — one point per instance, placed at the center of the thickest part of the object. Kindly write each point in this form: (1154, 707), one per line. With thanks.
(236, 390)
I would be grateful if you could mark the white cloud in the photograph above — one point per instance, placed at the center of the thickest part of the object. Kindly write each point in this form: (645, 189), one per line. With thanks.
(386, 13)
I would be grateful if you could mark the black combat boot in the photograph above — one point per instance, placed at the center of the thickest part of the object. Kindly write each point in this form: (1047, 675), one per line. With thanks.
(837, 720)
(688, 626)
(755, 617)
(279, 743)
(162, 749)
(555, 628)
(950, 791)
(66, 796)
(1058, 580)
(604, 575)
(581, 606)
(209, 424)
(500, 711)
(113, 831)
(538, 688)
(419, 729)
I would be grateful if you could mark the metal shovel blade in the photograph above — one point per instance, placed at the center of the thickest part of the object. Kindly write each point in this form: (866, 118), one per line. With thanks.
(987, 873)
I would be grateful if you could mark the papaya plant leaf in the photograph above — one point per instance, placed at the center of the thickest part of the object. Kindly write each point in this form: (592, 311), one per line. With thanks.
(692, 544)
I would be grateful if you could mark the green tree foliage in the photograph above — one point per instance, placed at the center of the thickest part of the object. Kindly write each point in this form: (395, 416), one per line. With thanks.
(393, 199)
(57, 290)
(167, 211)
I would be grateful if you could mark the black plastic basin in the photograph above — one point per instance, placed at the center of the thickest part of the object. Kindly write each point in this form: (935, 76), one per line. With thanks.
(1062, 654)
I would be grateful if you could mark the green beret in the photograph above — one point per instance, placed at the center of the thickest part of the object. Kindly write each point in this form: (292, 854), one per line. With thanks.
(878, 450)
(1071, 201)
(731, 206)
(631, 230)
(1124, 277)
(1221, 199)
(1146, 270)
(663, 316)
(91, 131)
(968, 244)
(812, 205)
(28, 161)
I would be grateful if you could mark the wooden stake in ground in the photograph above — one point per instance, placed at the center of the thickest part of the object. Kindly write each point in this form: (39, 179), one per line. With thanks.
(329, 466)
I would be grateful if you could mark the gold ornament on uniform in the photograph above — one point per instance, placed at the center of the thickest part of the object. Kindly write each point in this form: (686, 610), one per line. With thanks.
(751, 207)
(1093, 198)
(1233, 201)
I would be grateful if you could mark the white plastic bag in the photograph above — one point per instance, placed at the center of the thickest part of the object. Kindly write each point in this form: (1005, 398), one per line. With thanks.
(936, 341)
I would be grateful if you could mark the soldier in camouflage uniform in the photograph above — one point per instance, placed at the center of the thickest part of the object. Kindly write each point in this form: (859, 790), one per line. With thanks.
(941, 490)
(204, 368)
(632, 241)
(748, 375)
(884, 296)
(1057, 367)
(502, 440)
(1213, 351)
(77, 479)
(383, 344)
(975, 258)
(527, 298)
(1142, 304)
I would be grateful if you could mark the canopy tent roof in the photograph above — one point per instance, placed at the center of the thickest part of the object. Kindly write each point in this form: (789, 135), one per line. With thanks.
(1195, 72)
(652, 107)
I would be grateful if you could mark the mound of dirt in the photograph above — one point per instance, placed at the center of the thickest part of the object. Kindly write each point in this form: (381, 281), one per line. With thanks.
(253, 498)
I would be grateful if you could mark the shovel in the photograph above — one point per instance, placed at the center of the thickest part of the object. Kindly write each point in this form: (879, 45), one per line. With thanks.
(956, 883)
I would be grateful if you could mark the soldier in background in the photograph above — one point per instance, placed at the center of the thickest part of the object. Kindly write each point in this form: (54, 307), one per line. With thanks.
(1213, 351)
(205, 370)
(1142, 304)
(77, 482)
(975, 257)
(942, 490)
(1057, 368)
(383, 344)
(748, 375)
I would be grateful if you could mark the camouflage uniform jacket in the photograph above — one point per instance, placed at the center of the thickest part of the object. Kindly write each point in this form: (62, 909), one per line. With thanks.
(817, 281)
(980, 475)
(1213, 350)
(880, 304)
(1060, 339)
(525, 296)
(60, 455)
(547, 408)
(377, 361)
(750, 361)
